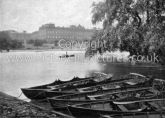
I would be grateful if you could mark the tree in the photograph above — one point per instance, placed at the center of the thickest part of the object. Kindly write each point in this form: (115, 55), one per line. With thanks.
(38, 42)
(15, 44)
(137, 26)
(7, 43)
(4, 41)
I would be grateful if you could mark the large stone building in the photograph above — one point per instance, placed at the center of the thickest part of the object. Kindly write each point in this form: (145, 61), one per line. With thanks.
(51, 33)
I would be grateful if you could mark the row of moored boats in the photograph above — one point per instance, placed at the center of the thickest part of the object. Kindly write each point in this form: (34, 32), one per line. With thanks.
(102, 96)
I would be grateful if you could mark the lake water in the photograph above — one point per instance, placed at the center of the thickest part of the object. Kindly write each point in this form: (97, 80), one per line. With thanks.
(30, 68)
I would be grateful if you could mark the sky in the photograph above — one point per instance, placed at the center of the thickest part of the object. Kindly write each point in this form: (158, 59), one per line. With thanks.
(29, 15)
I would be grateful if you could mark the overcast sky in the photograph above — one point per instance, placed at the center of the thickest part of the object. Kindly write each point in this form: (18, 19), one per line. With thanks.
(28, 15)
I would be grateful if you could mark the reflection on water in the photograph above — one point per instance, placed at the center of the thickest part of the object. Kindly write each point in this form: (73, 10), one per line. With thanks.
(26, 69)
(121, 69)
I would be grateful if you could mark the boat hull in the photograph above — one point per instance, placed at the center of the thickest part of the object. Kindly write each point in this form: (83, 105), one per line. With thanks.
(90, 113)
(42, 94)
(81, 98)
(63, 104)
(58, 87)
(34, 94)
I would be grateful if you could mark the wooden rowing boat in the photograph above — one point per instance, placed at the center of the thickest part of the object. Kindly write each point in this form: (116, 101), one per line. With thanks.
(62, 87)
(146, 105)
(143, 98)
(102, 91)
(137, 79)
(107, 109)
(125, 81)
(61, 102)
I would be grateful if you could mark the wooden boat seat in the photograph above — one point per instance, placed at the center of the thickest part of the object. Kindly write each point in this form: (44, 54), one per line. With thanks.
(155, 105)
(51, 87)
(122, 107)
(137, 74)
(104, 88)
(92, 98)
(130, 83)
(80, 90)
(83, 90)
(105, 116)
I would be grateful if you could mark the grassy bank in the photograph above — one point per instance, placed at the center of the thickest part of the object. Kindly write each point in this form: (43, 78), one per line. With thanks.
(11, 107)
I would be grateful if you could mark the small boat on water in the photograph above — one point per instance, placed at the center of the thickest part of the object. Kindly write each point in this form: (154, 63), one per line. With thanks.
(66, 55)
(62, 87)
(108, 109)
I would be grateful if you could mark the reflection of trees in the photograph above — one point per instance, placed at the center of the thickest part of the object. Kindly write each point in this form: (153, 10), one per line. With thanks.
(137, 26)
(37, 42)
(7, 43)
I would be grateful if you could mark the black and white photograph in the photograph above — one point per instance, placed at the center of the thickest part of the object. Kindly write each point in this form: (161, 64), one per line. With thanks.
(82, 58)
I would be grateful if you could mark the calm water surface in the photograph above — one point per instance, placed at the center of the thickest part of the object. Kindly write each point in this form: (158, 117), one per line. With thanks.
(31, 68)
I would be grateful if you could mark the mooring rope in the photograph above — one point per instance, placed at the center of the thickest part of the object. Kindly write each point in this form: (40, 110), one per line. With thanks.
(20, 95)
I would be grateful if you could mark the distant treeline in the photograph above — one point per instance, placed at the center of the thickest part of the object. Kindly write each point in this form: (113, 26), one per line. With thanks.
(36, 42)
(6, 43)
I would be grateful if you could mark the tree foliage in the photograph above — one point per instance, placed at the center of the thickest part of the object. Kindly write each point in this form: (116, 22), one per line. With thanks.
(37, 42)
(137, 26)
(7, 43)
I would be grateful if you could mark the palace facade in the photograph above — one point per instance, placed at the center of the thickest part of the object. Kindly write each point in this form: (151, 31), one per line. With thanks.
(50, 32)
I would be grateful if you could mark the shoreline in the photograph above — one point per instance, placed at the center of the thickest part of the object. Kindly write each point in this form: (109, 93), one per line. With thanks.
(13, 107)
(41, 50)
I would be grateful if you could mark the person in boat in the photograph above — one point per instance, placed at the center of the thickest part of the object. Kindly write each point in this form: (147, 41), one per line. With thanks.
(67, 54)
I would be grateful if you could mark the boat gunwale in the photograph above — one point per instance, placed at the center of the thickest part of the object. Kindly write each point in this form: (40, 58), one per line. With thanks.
(107, 101)
(101, 92)
(115, 111)
(131, 102)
